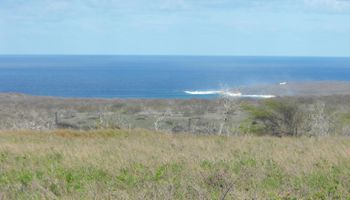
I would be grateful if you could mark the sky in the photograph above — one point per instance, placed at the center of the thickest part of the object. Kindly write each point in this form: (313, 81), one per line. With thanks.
(176, 27)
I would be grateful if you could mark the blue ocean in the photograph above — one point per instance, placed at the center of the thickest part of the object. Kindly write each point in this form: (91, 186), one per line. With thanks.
(157, 76)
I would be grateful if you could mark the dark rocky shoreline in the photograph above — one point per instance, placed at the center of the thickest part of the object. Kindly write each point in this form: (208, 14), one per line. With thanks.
(304, 89)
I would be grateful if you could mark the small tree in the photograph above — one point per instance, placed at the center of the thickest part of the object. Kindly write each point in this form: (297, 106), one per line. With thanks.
(279, 117)
(229, 107)
(321, 121)
(162, 117)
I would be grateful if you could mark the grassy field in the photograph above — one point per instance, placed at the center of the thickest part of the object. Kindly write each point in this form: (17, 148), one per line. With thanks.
(145, 165)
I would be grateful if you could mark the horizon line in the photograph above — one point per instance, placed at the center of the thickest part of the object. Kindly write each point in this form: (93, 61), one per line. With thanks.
(181, 55)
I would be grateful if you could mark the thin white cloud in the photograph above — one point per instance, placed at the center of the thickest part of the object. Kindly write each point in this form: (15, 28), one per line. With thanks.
(329, 5)
(53, 10)
(174, 5)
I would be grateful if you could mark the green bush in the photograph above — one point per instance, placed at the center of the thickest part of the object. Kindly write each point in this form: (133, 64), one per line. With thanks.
(275, 117)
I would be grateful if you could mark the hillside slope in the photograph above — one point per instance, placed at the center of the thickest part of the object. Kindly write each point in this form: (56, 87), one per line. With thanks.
(140, 164)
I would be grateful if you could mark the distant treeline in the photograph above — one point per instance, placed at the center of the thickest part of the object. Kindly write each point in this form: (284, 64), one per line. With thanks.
(287, 116)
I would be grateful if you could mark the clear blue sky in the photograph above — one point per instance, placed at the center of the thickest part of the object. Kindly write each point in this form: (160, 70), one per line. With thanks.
(185, 27)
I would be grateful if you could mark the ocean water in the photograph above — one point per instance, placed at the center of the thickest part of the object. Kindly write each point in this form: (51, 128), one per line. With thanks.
(158, 76)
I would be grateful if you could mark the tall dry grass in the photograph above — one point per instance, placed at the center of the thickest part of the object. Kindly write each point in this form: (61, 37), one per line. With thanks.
(116, 164)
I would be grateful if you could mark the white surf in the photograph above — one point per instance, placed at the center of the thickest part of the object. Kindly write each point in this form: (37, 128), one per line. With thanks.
(227, 93)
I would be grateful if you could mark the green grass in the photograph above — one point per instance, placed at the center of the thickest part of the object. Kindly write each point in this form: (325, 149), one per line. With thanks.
(139, 164)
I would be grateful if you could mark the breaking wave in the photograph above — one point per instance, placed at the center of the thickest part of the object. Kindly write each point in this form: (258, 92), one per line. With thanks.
(230, 94)
(204, 92)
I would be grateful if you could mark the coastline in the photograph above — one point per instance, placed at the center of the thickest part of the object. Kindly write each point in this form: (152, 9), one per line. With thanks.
(301, 88)
(286, 89)
(195, 115)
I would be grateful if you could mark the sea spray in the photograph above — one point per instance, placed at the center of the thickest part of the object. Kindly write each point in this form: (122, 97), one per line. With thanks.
(228, 93)
(204, 92)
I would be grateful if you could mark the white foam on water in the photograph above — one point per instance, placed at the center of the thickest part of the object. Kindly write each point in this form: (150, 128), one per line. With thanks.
(230, 94)
(259, 96)
(204, 92)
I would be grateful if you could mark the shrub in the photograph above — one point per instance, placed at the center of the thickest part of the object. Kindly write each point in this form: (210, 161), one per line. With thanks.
(277, 117)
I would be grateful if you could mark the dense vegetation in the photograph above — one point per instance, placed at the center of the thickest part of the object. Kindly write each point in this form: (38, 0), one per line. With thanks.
(138, 164)
(127, 149)
(287, 116)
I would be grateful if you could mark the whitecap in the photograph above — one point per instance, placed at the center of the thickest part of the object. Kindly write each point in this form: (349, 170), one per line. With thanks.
(204, 92)
(230, 94)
